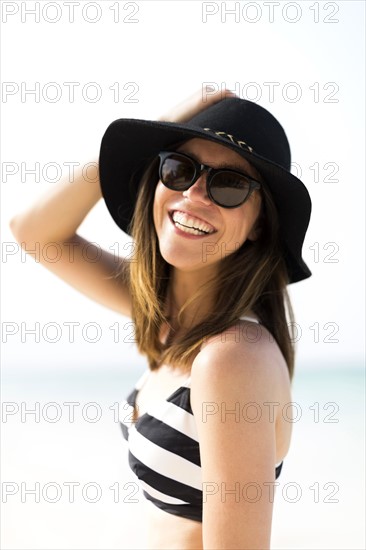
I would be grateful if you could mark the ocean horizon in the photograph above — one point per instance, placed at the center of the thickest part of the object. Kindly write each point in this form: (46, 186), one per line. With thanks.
(66, 481)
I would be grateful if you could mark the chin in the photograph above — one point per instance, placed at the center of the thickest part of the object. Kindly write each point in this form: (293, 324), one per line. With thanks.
(184, 260)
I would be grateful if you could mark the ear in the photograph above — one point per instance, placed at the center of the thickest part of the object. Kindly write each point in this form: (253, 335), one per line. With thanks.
(255, 232)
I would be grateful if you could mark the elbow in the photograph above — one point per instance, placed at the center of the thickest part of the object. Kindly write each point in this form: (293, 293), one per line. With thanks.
(15, 227)
(21, 230)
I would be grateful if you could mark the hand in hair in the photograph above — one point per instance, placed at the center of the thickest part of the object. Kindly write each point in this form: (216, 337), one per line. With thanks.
(190, 107)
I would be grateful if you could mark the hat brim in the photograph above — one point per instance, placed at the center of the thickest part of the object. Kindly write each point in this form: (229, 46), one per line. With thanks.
(129, 145)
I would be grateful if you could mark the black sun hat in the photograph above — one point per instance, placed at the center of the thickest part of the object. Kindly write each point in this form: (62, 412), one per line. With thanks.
(129, 145)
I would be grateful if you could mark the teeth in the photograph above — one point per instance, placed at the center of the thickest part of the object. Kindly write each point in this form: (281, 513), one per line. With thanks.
(190, 225)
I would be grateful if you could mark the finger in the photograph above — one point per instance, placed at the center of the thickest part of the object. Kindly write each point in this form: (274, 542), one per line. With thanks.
(197, 102)
(210, 95)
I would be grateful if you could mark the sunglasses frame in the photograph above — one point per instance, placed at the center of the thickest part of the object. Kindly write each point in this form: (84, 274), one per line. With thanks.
(211, 172)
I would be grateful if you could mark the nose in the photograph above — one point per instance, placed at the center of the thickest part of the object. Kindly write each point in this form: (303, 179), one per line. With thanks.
(198, 191)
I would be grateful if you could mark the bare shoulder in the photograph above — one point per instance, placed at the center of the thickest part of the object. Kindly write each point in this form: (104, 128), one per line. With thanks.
(237, 384)
(246, 356)
(243, 370)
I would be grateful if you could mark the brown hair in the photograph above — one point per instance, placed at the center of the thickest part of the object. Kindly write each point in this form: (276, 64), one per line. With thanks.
(252, 278)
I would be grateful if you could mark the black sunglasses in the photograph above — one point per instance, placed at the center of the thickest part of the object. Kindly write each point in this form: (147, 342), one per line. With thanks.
(226, 188)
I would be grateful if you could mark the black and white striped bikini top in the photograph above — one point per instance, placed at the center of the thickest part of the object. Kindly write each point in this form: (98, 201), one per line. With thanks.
(164, 450)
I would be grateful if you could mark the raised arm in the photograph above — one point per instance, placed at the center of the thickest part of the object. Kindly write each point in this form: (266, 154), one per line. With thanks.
(191, 106)
(55, 218)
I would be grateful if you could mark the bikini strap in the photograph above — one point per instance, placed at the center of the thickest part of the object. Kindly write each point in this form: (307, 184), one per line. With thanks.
(246, 318)
(141, 381)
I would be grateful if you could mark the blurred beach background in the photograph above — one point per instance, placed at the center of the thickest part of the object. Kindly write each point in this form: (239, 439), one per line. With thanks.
(61, 352)
(319, 502)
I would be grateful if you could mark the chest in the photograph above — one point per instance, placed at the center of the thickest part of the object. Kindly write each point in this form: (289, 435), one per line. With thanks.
(158, 387)
(163, 447)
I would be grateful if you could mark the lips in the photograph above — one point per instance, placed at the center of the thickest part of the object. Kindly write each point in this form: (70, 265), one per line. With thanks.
(191, 224)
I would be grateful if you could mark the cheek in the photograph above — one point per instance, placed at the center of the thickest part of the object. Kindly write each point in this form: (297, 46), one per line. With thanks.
(158, 201)
(156, 207)
(162, 195)
(242, 220)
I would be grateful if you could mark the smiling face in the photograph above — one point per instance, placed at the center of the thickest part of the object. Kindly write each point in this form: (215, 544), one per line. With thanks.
(219, 231)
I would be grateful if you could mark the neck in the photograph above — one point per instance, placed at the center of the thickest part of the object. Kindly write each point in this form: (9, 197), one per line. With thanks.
(183, 286)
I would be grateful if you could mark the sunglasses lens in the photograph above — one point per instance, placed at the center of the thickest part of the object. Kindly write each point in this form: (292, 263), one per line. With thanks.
(229, 189)
(177, 172)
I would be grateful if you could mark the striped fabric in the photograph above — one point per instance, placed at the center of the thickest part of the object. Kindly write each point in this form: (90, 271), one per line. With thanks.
(164, 451)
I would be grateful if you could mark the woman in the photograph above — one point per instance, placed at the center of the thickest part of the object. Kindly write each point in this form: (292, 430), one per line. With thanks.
(218, 224)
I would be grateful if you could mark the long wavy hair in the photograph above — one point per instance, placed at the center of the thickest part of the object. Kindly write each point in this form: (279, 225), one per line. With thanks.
(252, 278)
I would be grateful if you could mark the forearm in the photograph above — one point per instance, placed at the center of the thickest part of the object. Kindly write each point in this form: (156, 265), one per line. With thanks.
(56, 215)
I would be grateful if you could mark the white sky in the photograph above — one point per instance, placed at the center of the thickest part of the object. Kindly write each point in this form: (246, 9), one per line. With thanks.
(168, 54)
